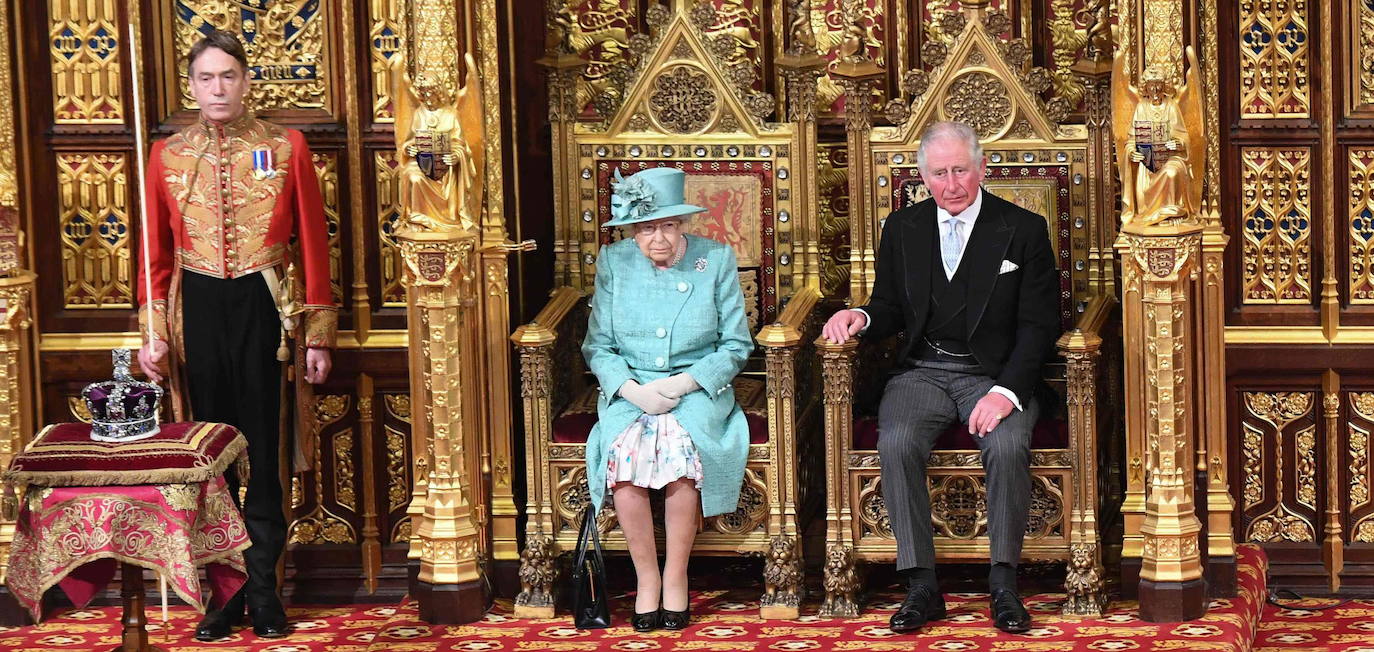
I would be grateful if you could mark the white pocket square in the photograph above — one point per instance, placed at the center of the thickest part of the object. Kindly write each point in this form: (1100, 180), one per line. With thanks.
(1008, 266)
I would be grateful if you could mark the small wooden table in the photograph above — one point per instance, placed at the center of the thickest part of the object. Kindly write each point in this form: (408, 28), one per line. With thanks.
(160, 503)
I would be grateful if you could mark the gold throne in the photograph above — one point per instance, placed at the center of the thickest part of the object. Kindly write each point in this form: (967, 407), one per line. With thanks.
(1042, 165)
(680, 105)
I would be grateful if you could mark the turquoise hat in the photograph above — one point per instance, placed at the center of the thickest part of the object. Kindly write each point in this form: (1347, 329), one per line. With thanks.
(651, 194)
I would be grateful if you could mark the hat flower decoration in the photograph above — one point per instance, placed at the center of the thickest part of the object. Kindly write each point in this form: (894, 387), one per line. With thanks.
(652, 194)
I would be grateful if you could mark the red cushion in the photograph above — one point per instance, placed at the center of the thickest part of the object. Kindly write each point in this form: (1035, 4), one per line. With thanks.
(1048, 433)
(64, 455)
(575, 423)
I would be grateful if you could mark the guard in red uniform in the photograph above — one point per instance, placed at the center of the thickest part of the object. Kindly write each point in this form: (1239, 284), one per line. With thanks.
(226, 196)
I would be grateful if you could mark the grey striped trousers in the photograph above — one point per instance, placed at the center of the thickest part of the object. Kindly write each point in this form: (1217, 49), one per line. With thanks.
(918, 405)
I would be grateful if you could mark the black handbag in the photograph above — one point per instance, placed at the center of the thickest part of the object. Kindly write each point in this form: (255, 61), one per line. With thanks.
(591, 610)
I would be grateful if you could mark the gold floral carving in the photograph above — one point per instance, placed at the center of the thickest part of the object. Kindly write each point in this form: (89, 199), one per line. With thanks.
(980, 101)
(682, 100)
(397, 484)
(1359, 467)
(1364, 531)
(93, 214)
(286, 42)
(1254, 471)
(86, 48)
(1275, 66)
(1361, 221)
(1306, 443)
(401, 532)
(344, 492)
(1276, 219)
(1279, 409)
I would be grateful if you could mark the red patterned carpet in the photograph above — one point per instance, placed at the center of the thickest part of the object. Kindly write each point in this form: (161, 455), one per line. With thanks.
(726, 621)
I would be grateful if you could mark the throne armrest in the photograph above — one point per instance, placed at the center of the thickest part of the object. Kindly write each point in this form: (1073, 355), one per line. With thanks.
(1081, 350)
(780, 342)
(537, 342)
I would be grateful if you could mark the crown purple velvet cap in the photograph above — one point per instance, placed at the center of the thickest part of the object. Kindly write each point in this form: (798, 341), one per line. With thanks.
(123, 408)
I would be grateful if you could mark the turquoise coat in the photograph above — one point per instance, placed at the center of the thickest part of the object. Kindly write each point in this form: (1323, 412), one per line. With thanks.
(648, 323)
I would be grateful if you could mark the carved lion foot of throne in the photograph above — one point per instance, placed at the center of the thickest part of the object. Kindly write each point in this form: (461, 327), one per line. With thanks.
(538, 571)
(841, 583)
(1085, 591)
(782, 576)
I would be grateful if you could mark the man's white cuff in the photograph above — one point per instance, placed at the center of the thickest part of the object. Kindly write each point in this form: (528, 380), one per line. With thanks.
(1011, 396)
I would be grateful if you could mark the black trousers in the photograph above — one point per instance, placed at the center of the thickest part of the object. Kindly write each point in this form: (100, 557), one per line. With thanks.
(231, 334)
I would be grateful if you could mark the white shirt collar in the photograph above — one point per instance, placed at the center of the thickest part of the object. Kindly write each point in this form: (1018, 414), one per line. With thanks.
(968, 217)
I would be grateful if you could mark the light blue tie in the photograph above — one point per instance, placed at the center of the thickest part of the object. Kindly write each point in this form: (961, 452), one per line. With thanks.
(951, 244)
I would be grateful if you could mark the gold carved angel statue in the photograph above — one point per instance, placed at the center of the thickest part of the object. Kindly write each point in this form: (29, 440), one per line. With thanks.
(441, 157)
(1159, 144)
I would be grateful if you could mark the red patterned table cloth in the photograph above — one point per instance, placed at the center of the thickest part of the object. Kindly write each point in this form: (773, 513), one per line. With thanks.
(89, 505)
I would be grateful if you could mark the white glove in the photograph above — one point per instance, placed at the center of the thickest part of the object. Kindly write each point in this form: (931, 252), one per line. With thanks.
(645, 398)
(675, 386)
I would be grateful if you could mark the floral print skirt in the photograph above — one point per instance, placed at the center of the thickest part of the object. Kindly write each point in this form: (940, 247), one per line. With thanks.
(652, 452)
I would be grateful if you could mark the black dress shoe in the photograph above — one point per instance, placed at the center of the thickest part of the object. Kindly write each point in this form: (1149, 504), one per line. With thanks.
(647, 622)
(677, 619)
(1008, 614)
(270, 622)
(923, 604)
(218, 624)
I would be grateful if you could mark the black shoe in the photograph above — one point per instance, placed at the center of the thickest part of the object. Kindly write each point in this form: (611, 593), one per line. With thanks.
(270, 622)
(647, 622)
(923, 604)
(677, 619)
(220, 623)
(1008, 614)
(217, 624)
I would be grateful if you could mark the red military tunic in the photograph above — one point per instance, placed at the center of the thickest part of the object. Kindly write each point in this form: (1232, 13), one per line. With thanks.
(224, 200)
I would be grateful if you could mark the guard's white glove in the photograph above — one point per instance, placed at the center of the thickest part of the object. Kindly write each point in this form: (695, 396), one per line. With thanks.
(647, 399)
(675, 386)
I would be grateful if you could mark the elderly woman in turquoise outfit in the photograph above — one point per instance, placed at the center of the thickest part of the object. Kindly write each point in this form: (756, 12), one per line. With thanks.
(666, 337)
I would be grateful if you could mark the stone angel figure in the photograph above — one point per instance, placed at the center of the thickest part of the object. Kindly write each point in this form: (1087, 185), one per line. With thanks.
(1159, 143)
(442, 158)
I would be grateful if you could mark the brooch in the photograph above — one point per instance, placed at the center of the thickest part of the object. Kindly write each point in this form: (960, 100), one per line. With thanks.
(701, 264)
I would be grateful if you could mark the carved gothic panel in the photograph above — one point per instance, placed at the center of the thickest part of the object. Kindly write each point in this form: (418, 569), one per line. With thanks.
(384, 43)
(1360, 89)
(85, 45)
(327, 169)
(1280, 467)
(1361, 224)
(1274, 59)
(287, 42)
(1276, 214)
(1359, 426)
(388, 219)
(322, 517)
(97, 271)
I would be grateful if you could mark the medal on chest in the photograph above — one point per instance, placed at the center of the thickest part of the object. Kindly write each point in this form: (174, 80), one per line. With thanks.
(264, 163)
